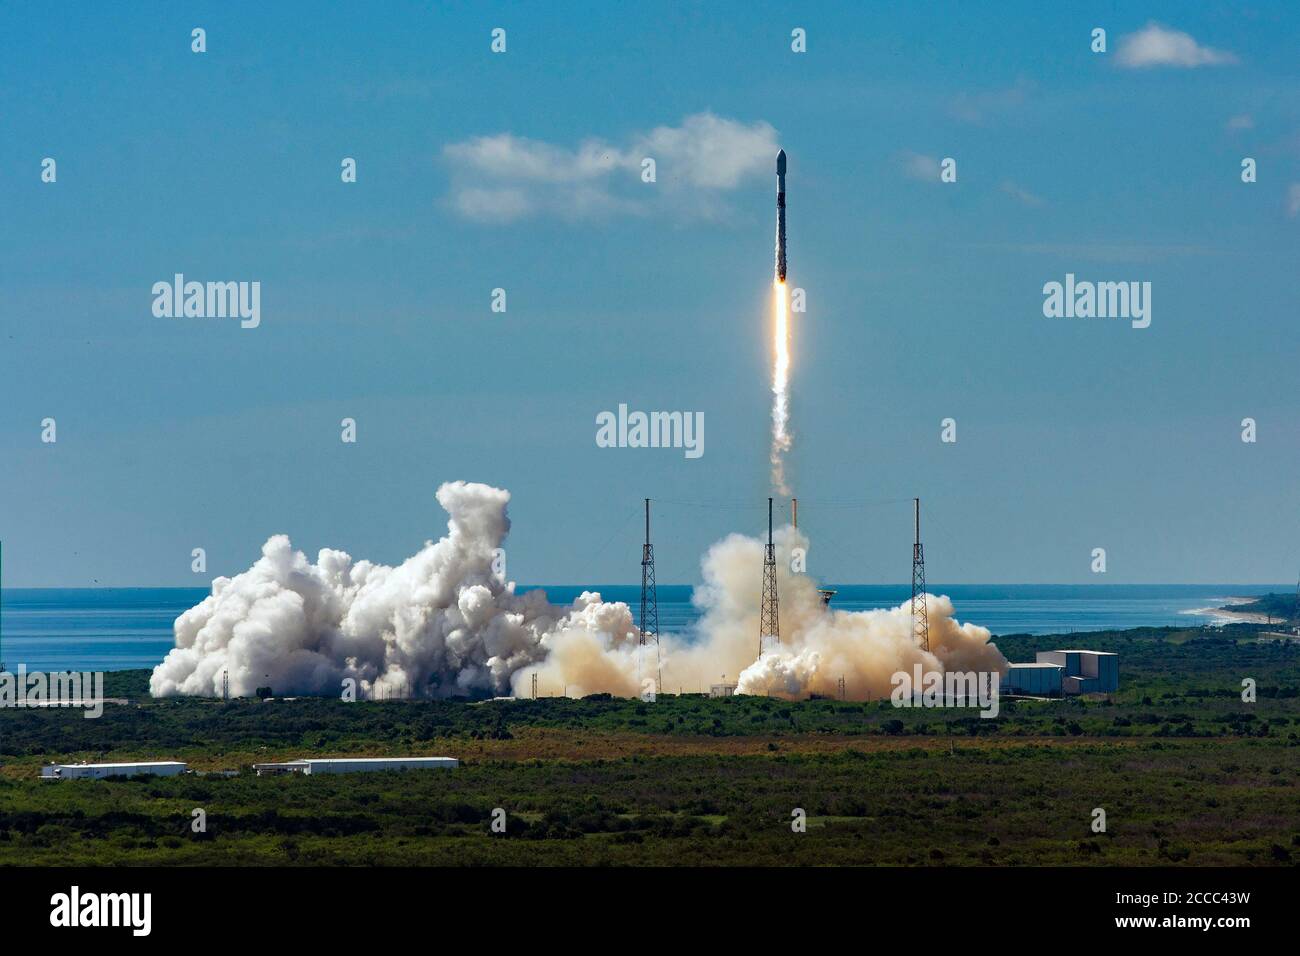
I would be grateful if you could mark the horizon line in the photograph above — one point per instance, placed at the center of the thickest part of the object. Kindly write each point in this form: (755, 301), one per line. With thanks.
(635, 584)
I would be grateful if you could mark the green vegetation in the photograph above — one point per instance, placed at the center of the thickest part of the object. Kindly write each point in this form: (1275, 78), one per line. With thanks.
(1185, 770)
(1281, 607)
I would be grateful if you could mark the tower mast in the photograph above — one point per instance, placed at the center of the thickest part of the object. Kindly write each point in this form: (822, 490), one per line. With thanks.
(650, 600)
(920, 619)
(769, 630)
(1295, 620)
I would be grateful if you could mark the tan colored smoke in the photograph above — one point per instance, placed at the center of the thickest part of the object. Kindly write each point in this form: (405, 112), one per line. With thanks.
(818, 645)
(445, 623)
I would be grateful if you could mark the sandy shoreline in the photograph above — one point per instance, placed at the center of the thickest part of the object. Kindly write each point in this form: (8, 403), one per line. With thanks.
(1225, 616)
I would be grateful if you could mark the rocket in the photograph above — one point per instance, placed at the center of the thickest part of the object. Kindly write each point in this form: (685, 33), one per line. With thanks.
(780, 216)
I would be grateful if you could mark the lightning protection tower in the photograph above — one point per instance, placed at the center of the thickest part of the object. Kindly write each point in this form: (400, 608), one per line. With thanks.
(650, 601)
(769, 630)
(1295, 618)
(920, 619)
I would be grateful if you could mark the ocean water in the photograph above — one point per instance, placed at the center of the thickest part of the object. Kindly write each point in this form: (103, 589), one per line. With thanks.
(101, 629)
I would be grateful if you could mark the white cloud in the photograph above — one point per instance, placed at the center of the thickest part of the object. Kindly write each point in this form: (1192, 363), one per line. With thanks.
(492, 205)
(505, 156)
(920, 166)
(1156, 45)
(1293, 200)
(505, 177)
(981, 106)
(1243, 121)
(1021, 195)
(711, 152)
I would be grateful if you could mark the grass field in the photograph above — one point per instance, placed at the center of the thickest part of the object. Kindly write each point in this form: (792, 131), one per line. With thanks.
(1185, 771)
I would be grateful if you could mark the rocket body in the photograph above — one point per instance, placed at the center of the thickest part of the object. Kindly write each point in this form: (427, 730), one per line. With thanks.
(780, 216)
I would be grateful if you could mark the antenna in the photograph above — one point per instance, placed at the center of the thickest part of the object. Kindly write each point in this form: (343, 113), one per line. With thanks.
(769, 629)
(794, 510)
(649, 603)
(1295, 619)
(920, 619)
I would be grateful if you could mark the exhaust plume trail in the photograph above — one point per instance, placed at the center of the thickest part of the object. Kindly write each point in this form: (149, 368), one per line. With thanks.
(780, 386)
(780, 343)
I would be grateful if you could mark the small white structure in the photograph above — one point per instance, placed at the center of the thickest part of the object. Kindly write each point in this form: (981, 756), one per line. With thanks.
(277, 769)
(1086, 672)
(355, 765)
(722, 690)
(98, 771)
(1042, 678)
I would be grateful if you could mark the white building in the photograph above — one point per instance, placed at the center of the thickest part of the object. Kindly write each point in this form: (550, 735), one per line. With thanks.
(1065, 672)
(355, 765)
(1042, 678)
(1086, 672)
(98, 771)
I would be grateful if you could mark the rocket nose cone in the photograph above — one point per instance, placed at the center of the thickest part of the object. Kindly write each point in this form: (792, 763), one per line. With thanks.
(780, 163)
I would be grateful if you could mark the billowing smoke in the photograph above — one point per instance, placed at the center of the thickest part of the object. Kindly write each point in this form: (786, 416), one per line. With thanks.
(442, 623)
(445, 623)
(819, 645)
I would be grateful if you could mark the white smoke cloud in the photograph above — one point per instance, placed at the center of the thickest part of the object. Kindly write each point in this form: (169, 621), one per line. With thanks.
(981, 106)
(443, 624)
(1021, 195)
(502, 178)
(1156, 45)
(919, 166)
(711, 152)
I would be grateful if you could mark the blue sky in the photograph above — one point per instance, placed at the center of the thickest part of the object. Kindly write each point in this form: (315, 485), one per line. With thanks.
(924, 299)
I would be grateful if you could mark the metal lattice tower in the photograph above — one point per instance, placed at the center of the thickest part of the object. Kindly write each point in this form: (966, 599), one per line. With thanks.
(225, 685)
(650, 600)
(920, 619)
(534, 686)
(1294, 620)
(769, 628)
